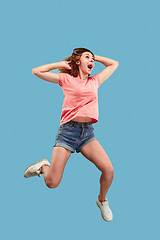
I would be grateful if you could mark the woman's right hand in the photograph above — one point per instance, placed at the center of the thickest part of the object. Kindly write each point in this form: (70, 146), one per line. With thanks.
(65, 64)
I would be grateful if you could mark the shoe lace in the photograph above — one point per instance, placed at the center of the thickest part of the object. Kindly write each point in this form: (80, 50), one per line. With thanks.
(39, 172)
(105, 202)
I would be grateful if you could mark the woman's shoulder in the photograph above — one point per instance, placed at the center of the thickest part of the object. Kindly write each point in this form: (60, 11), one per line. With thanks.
(65, 79)
(95, 78)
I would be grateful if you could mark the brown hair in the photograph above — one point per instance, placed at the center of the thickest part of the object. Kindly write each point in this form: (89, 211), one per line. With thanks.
(77, 52)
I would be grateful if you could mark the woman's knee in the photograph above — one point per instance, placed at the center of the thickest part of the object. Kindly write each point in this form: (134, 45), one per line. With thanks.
(108, 172)
(52, 182)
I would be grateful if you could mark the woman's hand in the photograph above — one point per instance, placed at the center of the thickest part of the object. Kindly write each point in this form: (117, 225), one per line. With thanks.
(106, 61)
(66, 65)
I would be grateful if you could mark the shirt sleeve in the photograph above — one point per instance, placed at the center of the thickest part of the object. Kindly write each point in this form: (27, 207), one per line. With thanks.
(96, 77)
(62, 78)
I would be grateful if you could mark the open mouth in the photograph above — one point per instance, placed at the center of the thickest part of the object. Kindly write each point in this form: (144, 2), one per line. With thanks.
(90, 66)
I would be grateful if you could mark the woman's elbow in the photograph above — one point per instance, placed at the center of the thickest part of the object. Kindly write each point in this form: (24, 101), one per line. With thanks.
(34, 71)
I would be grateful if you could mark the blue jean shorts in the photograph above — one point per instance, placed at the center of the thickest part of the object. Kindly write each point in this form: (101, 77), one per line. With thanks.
(74, 135)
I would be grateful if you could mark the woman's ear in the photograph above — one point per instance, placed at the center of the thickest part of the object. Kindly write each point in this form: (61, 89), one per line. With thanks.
(78, 62)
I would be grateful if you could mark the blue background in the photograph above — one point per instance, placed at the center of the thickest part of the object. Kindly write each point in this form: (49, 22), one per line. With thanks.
(35, 33)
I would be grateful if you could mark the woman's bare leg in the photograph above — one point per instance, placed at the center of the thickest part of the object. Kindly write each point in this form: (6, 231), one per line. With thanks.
(94, 152)
(54, 173)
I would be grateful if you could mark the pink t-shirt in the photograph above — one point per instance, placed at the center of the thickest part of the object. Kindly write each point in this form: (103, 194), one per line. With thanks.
(80, 97)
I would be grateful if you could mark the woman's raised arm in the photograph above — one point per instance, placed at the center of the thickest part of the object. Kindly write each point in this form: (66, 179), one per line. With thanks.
(110, 64)
(43, 71)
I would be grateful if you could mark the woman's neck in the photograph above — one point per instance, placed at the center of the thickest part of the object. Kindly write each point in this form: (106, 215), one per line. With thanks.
(82, 75)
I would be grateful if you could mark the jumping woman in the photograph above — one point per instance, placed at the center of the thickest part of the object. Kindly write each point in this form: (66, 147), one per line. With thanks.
(79, 112)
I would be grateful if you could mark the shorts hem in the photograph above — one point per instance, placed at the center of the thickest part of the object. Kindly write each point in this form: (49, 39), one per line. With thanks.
(65, 146)
(89, 140)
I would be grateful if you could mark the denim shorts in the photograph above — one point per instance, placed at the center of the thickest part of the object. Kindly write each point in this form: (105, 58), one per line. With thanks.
(74, 135)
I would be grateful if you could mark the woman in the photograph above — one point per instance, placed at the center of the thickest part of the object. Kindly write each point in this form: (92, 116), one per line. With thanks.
(79, 112)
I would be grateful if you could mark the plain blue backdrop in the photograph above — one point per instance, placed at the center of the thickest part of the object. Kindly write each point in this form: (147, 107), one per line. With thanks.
(35, 33)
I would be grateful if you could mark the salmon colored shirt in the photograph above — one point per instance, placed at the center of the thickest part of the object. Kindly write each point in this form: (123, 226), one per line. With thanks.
(80, 97)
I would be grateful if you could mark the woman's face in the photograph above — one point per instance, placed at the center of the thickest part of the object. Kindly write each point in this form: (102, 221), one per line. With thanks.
(86, 63)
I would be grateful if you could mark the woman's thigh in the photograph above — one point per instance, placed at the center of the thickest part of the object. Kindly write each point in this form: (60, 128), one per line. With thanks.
(95, 153)
(59, 159)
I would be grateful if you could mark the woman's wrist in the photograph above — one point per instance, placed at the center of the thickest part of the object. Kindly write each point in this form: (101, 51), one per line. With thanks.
(99, 58)
(49, 67)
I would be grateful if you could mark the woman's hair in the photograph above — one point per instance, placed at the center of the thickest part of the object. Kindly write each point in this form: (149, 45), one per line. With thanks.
(77, 52)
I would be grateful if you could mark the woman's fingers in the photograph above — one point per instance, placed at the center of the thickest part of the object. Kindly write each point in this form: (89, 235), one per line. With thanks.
(67, 65)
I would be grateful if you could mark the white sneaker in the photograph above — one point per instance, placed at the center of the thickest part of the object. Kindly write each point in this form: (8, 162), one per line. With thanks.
(105, 210)
(35, 169)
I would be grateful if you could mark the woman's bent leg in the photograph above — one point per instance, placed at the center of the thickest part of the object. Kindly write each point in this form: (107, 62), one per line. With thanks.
(54, 173)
